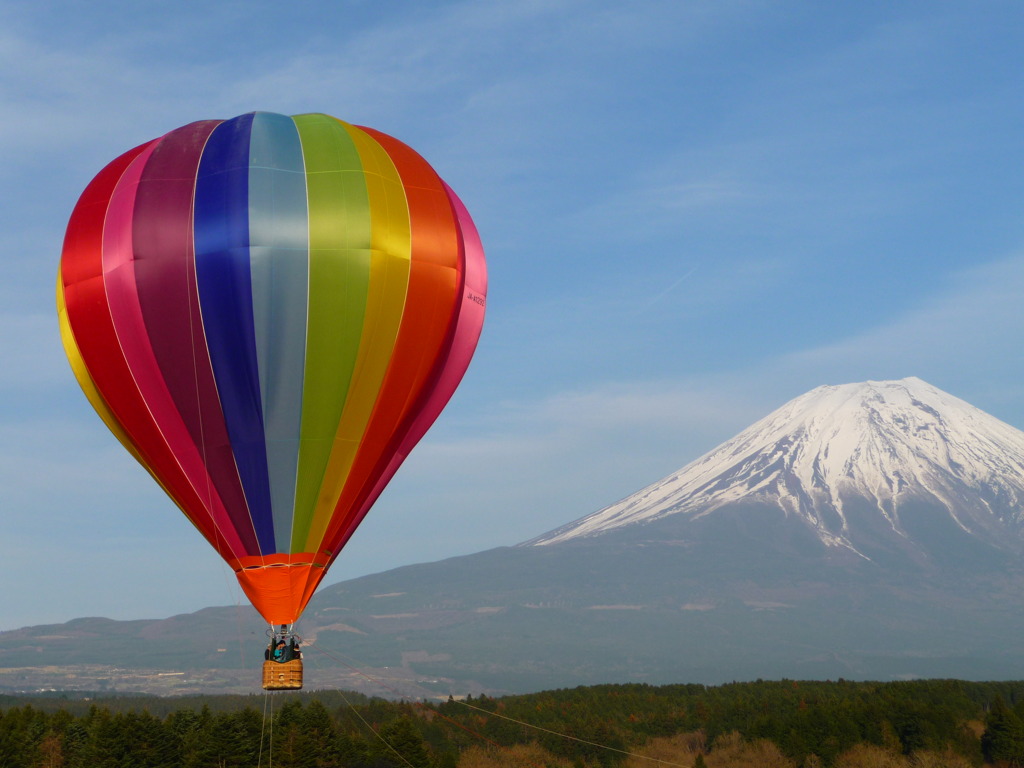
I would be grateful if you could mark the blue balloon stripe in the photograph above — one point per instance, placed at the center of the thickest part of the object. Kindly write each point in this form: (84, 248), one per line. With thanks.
(221, 222)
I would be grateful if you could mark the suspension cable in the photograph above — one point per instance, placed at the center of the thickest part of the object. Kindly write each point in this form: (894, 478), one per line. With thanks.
(523, 723)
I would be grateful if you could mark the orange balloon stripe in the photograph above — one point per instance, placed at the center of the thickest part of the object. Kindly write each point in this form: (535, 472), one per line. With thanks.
(451, 366)
(428, 315)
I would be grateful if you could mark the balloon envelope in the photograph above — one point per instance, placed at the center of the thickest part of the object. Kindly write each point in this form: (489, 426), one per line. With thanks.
(269, 312)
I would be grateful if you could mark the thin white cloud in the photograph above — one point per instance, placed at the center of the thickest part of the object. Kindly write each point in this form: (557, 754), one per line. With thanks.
(64, 99)
(964, 336)
(531, 466)
(540, 463)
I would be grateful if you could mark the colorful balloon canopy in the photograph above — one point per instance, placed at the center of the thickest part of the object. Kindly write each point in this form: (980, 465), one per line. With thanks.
(269, 312)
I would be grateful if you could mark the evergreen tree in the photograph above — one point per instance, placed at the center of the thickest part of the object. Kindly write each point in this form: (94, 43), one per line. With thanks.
(186, 727)
(350, 751)
(75, 737)
(403, 738)
(22, 730)
(1003, 739)
(234, 739)
(104, 743)
(304, 736)
(319, 732)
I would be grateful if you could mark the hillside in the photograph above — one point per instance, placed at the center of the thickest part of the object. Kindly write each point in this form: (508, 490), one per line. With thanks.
(826, 567)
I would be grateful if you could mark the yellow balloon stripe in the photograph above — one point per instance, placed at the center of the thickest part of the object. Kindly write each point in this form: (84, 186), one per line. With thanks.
(390, 257)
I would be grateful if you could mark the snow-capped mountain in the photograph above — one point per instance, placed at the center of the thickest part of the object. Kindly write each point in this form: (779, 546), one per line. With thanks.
(865, 531)
(850, 462)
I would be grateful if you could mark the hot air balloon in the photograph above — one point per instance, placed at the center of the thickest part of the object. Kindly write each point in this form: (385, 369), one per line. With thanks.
(269, 312)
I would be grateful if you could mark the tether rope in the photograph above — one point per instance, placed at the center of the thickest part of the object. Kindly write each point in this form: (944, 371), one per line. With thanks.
(263, 728)
(571, 738)
(382, 684)
(523, 723)
(371, 729)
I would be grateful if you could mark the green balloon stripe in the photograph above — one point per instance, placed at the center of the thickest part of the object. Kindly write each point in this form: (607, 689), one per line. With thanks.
(339, 272)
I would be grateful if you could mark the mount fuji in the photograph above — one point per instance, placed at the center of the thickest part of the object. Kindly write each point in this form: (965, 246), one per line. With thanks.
(873, 470)
(862, 531)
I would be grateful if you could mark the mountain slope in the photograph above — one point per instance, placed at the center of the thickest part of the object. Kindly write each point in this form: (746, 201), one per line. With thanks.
(867, 531)
(852, 463)
(519, 619)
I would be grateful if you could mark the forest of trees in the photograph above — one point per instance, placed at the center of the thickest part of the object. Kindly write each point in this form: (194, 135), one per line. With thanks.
(779, 724)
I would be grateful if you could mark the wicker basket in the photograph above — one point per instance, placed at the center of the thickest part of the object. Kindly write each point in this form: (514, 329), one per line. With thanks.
(282, 676)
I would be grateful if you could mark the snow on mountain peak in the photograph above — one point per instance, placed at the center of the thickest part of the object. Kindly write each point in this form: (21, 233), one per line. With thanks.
(885, 441)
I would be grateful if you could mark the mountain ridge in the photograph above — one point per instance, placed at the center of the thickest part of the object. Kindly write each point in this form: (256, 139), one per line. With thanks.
(889, 444)
(742, 590)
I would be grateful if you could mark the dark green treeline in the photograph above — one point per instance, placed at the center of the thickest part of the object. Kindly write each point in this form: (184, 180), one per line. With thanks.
(984, 722)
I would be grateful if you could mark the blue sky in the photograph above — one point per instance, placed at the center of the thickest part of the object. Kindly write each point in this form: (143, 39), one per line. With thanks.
(693, 212)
